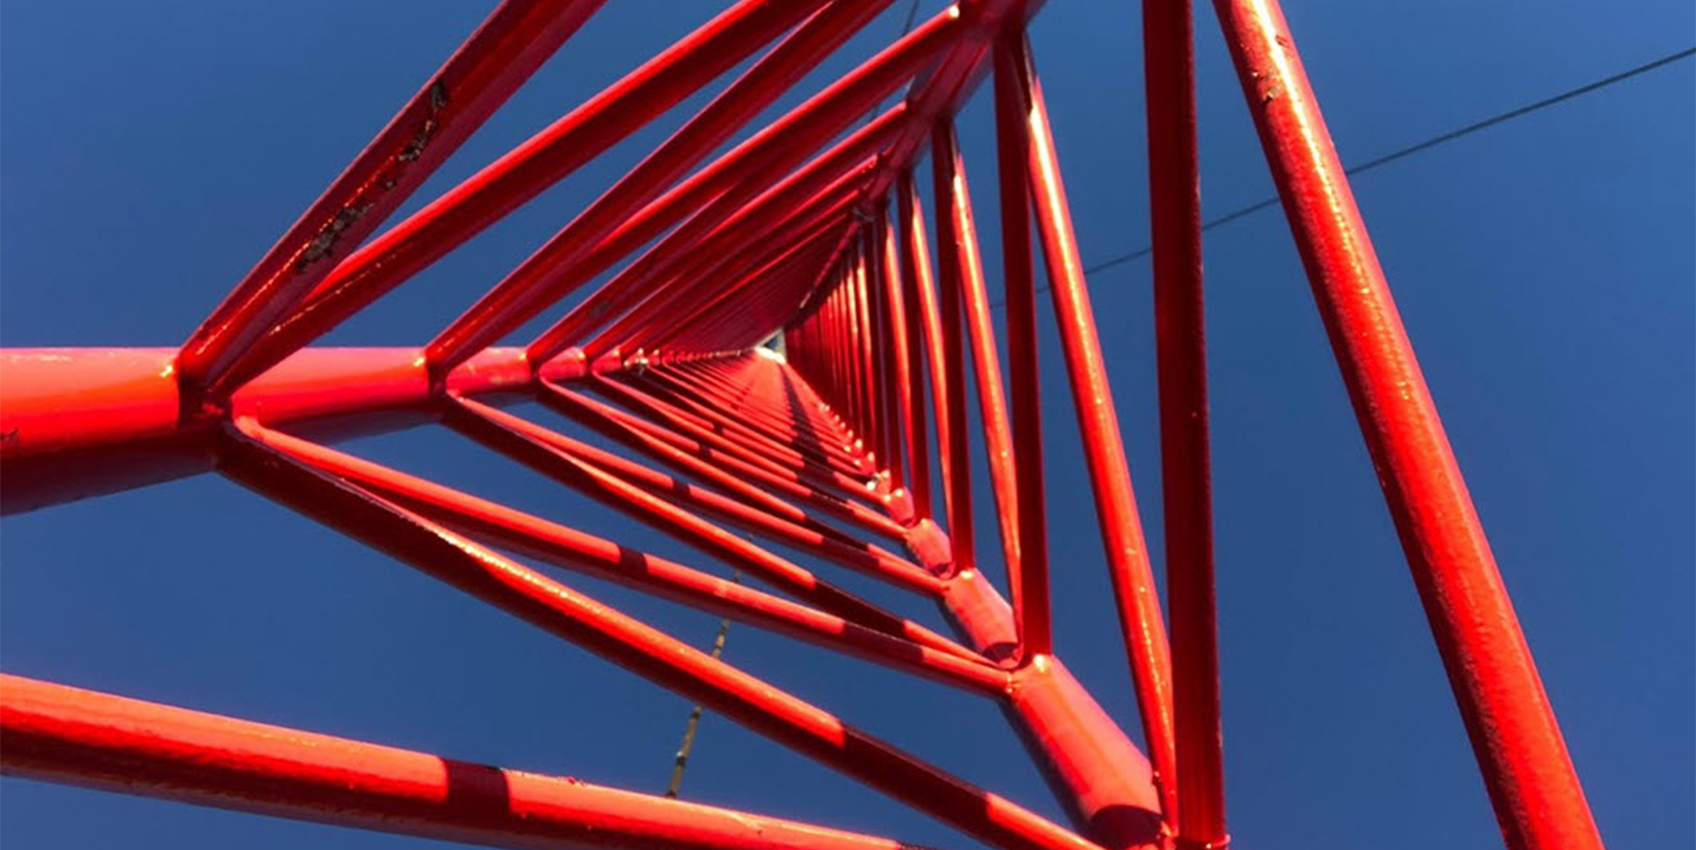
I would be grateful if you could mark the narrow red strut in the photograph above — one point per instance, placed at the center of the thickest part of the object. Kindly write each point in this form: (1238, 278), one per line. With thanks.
(772, 355)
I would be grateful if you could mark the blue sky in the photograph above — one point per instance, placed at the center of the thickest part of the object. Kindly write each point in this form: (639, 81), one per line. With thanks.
(150, 152)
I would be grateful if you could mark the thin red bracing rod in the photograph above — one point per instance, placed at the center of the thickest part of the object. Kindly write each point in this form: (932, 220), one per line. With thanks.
(948, 349)
(877, 342)
(909, 380)
(956, 235)
(617, 295)
(697, 282)
(1538, 800)
(529, 289)
(943, 92)
(1098, 426)
(909, 418)
(962, 27)
(887, 568)
(705, 433)
(704, 390)
(774, 510)
(776, 148)
(516, 38)
(711, 388)
(1030, 592)
(749, 167)
(726, 261)
(1186, 475)
(56, 733)
(1093, 769)
(684, 399)
(812, 475)
(639, 648)
(883, 346)
(821, 540)
(561, 546)
(949, 422)
(700, 399)
(520, 175)
(499, 433)
(713, 467)
(756, 292)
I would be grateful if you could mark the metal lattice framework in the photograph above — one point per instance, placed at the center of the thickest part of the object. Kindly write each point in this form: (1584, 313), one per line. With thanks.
(810, 228)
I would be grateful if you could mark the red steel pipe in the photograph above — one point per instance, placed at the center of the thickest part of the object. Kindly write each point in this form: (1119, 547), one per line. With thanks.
(1094, 770)
(715, 467)
(531, 287)
(1538, 800)
(517, 37)
(565, 547)
(957, 236)
(1031, 604)
(615, 637)
(1186, 475)
(515, 178)
(620, 293)
(541, 449)
(1098, 426)
(907, 383)
(56, 733)
(949, 416)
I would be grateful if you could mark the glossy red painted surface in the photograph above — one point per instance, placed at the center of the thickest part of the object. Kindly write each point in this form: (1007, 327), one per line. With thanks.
(1098, 428)
(1538, 800)
(825, 448)
(62, 734)
(1186, 473)
(500, 56)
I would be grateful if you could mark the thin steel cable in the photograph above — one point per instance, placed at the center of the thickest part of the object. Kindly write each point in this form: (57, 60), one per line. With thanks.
(1426, 144)
(682, 759)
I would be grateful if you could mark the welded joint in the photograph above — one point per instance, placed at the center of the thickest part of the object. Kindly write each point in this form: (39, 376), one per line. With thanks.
(928, 543)
(568, 365)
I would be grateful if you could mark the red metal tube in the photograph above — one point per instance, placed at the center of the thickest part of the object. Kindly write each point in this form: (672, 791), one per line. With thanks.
(55, 733)
(82, 422)
(713, 466)
(468, 419)
(1093, 769)
(1031, 603)
(916, 272)
(620, 293)
(615, 637)
(1186, 474)
(565, 547)
(1536, 793)
(512, 180)
(517, 37)
(907, 383)
(730, 259)
(550, 453)
(1098, 426)
(529, 289)
(956, 234)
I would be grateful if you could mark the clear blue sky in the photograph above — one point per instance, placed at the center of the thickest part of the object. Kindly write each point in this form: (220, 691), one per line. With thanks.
(1544, 268)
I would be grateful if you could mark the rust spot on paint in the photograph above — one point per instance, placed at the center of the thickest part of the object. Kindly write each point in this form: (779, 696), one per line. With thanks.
(325, 241)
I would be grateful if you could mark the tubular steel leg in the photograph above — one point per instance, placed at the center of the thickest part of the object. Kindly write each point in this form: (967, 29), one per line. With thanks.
(1098, 424)
(1538, 800)
(1030, 594)
(1186, 479)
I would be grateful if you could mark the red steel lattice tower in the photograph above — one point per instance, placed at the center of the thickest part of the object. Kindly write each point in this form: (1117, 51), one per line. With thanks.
(811, 229)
